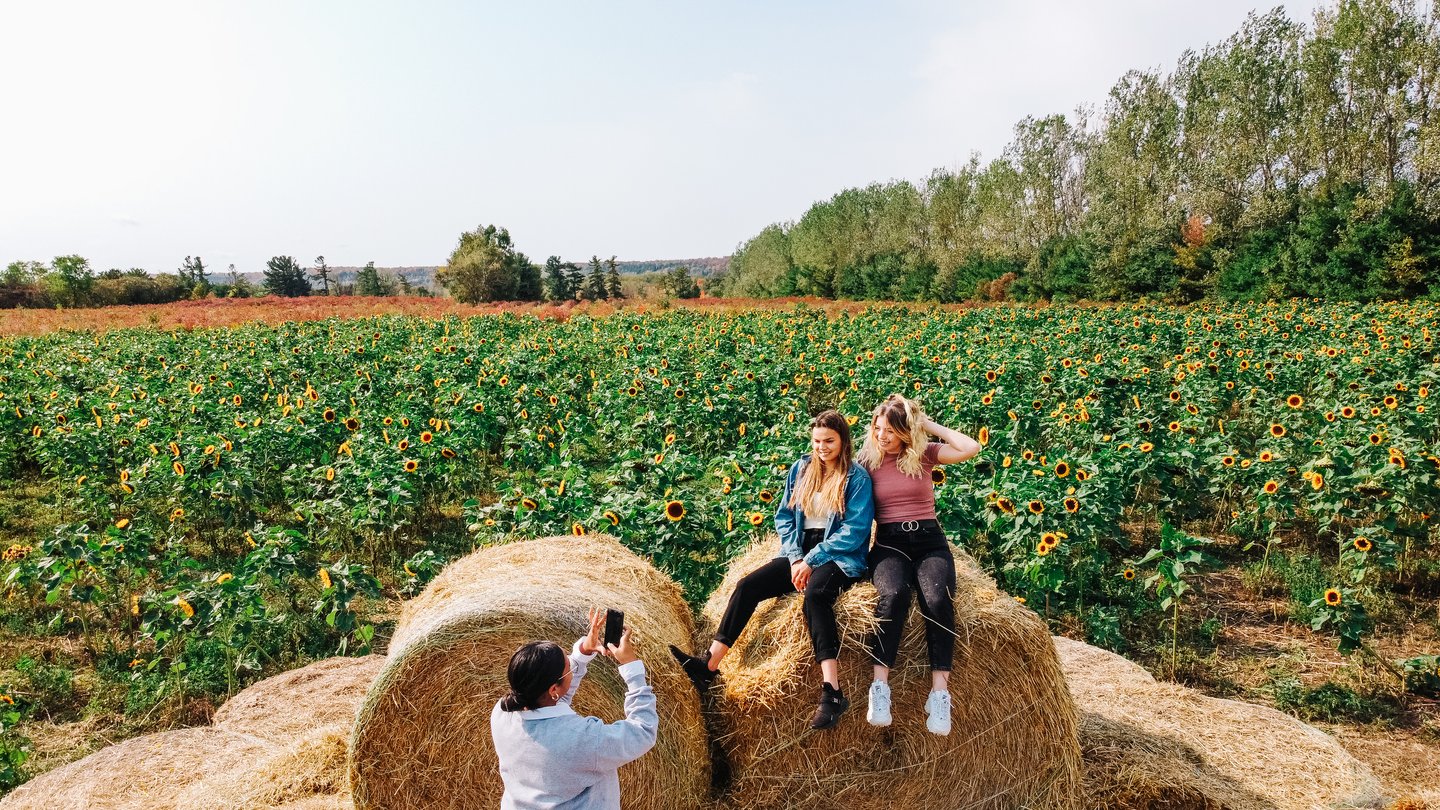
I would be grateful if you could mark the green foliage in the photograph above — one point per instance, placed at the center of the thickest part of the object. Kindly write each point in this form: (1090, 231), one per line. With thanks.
(1422, 675)
(486, 267)
(285, 278)
(1329, 702)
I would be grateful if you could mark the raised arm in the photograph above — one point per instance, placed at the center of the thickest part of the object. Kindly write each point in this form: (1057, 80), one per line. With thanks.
(627, 740)
(957, 447)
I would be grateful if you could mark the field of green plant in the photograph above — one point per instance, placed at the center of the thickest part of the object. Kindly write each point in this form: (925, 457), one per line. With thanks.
(234, 497)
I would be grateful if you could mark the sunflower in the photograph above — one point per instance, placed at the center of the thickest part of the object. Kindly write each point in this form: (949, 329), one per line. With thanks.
(577, 529)
(766, 496)
(1061, 469)
(1332, 597)
(670, 439)
(329, 473)
(937, 476)
(1363, 544)
(674, 510)
(1271, 487)
(756, 518)
(1266, 455)
(528, 503)
(1228, 461)
(1174, 396)
(1072, 505)
(122, 523)
(1424, 391)
(1390, 402)
(984, 435)
(185, 607)
(426, 437)
(1036, 507)
(328, 415)
(403, 445)
(1376, 438)
(1128, 573)
(1277, 430)
(411, 465)
(1294, 400)
(178, 468)
(1317, 481)
(1144, 425)
(1146, 447)
(1347, 412)
(504, 380)
(351, 423)
(1005, 505)
(478, 407)
(1028, 455)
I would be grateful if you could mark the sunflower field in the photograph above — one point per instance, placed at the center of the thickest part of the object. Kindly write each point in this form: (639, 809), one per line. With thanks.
(246, 491)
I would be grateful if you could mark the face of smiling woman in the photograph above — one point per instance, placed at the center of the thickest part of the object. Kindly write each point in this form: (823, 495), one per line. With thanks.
(887, 437)
(825, 444)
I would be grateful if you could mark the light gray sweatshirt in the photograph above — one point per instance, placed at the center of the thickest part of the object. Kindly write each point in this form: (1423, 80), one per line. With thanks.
(554, 758)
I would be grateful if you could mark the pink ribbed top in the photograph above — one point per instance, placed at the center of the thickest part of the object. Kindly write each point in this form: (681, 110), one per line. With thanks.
(898, 496)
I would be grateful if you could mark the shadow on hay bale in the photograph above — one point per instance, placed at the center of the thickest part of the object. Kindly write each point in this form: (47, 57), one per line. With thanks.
(1151, 745)
(1014, 742)
(422, 739)
(295, 703)
(151, 772)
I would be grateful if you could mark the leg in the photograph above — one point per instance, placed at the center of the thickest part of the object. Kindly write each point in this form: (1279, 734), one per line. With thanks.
(766, 582)
(935, 573)
(826, 583)
(891, 572)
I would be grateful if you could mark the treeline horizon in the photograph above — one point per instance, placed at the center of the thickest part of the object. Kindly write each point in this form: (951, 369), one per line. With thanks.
(1287, 161)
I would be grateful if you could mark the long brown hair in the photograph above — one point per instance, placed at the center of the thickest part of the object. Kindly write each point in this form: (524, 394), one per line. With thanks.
(826, 481)
(906, 418)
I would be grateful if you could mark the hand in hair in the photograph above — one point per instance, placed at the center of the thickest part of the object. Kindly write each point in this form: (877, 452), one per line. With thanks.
(590, 644)
(623, 653)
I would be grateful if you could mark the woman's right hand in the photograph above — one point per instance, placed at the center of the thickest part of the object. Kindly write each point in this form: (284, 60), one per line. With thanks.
(800, 574)
(623, 653)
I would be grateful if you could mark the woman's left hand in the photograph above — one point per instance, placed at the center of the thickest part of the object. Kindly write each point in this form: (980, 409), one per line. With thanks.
(590, 644)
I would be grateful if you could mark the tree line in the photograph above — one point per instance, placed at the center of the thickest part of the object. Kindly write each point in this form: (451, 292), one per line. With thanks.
(1285, 161)
(70, 281)
(486, 266)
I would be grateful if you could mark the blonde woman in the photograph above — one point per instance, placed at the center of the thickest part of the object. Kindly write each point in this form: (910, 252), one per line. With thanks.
(824, 525)
(911, 552)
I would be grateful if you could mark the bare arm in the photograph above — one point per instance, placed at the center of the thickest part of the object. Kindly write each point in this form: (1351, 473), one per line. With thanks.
(957, 448)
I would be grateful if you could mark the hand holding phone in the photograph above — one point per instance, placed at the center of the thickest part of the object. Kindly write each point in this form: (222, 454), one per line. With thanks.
(614, 626)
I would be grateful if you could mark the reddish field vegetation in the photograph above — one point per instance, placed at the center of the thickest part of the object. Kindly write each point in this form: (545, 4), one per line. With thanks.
(219, 312)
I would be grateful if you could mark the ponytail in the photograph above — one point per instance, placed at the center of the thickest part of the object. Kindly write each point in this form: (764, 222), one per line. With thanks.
(535, 667)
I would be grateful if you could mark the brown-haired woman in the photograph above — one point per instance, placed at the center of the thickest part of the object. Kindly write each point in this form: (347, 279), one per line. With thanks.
(911, 552)
(824, 525)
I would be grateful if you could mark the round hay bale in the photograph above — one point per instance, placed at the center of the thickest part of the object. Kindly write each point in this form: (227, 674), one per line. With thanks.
(1014, 739)
(1090, 668)
(143, 773)
(294, 703)
(309, 769)
(422, 739)
(1160, 745)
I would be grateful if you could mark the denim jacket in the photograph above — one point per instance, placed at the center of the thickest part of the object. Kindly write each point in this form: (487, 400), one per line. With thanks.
(847, 538)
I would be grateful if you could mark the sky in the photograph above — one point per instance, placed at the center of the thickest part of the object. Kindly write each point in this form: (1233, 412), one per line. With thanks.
(136, 134)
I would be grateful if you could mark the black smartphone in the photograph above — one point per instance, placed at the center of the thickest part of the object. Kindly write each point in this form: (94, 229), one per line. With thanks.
(614, 625)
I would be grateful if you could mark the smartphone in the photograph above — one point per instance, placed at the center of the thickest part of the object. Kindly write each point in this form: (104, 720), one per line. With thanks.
(614, 625)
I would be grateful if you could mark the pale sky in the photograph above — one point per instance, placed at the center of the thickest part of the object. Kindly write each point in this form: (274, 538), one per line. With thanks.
(135, 134)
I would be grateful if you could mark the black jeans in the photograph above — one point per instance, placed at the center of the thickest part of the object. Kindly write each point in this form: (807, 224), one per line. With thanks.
(772, 580)
(900, 563)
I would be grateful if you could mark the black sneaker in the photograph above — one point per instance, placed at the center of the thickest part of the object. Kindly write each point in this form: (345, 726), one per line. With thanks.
(832, 704)
(697, 667)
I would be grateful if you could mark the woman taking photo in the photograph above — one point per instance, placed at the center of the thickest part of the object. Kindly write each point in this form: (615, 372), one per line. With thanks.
(824, 525)
(911, 552)
(549, 755)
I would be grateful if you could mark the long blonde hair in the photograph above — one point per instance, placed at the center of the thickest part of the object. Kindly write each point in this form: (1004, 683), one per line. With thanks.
(826, 481)
(907, 419)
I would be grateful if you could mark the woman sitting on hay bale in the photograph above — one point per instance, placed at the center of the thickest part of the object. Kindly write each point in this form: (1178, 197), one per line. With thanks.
(549, 755)
(911, 551)
(824, 525)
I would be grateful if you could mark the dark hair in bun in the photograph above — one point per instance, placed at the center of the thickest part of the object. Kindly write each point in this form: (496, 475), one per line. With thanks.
(535, 667)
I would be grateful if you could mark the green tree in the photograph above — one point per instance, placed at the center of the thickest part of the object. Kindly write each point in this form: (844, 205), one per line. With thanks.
(71, 280)
(195, 276)
(557, 284)
(528, 285)
(286, 278)
(321, 272)
(761, 267)
(574, 280)
(367, 281)
(612, 279)
(594, 289)
(678, 283)
(482, 267)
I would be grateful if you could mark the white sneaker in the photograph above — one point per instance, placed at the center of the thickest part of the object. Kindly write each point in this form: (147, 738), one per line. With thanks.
(937, 711)
(878, 713)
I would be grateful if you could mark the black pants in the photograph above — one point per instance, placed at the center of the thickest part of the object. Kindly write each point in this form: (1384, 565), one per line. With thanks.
(772, 580)
(901, 563)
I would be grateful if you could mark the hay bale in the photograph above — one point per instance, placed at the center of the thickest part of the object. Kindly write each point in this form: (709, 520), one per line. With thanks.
(1158, 745)
(144, 773)
(311, 768)
(295, 703)
(422, 739)
(1014, 739)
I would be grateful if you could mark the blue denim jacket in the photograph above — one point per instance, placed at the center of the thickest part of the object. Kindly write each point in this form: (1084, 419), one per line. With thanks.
(847, 538)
